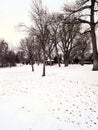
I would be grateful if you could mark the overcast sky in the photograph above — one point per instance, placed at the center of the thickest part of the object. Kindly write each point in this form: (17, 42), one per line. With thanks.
(13, 12)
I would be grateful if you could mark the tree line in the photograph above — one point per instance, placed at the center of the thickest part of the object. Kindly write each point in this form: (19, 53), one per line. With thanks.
(60, 36)
(62, 33)
(10, 57)
(7, 56)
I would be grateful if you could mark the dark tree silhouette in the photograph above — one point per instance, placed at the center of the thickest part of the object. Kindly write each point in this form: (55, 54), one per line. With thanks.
(69, 31)
(40, 20)
(27, 46)
(3, 53)
(87, 10)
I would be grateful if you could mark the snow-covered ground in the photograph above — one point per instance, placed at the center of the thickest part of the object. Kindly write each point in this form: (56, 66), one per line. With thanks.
(66, 99)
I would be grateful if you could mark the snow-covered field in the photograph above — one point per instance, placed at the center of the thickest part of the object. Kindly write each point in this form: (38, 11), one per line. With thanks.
(66, 99)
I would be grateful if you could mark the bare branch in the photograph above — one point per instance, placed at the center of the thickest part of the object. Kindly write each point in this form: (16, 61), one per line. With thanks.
(95, 10)
(68, 9)
(96, 1)
(86, 32)
(96, 23)
(84, 21)
(85, 15)
(83, 8)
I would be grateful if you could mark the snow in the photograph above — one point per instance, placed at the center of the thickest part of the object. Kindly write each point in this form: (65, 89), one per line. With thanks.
(65, 99)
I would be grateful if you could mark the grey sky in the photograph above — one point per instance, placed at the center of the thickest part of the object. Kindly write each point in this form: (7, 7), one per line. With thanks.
(13, 12)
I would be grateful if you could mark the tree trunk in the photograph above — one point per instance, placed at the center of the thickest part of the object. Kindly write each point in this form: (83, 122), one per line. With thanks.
(43, 69)
(58, 58)
(32, 68)
(32, 63)
(38, 60)
(82, 59)
(44, 64)
(38, 56)
(66, 59)
(50, 60)
(93, 37)
(94, 45)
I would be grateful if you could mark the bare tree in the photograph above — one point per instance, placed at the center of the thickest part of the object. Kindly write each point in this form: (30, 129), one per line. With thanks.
(84, 46)
(37, 50)
(49, 50)
(20, 56)
(11, 57)
(40, 20)
(69, 31)
(27, 46)
(54, 29)
(3, 53)
(87, 10)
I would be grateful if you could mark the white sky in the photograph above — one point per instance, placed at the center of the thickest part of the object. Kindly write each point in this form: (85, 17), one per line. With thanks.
(13, 12)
